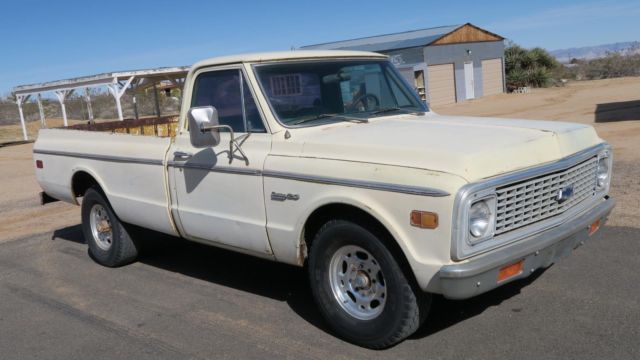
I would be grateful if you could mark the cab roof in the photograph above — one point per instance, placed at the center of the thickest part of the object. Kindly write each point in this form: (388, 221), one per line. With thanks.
(285, 55)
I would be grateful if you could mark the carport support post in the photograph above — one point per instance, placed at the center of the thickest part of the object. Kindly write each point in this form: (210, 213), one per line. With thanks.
(117, 90)
(87, 99)
(134, 89)
(178, 83)
(155, 97)
(62, 95)
(41, 110)
(135, 106)
(21, 99)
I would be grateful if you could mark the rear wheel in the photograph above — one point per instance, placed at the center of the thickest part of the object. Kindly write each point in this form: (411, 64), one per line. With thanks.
(109, 241)
(360, 287)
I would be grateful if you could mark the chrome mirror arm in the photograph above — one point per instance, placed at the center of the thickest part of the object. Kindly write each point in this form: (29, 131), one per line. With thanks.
(232, 142)
(239, 148)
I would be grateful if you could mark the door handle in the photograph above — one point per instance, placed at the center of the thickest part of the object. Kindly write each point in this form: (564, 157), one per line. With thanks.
(182, 155)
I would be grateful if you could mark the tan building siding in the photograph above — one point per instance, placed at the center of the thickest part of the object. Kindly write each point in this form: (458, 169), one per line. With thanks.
(442, 88)
(492, 82)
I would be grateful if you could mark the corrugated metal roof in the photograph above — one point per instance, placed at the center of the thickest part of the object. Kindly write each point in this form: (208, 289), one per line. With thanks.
(400, 40)
(101, 79)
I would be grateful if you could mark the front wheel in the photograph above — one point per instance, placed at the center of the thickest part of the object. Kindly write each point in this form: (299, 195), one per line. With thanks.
(109, 241)
(360, 288)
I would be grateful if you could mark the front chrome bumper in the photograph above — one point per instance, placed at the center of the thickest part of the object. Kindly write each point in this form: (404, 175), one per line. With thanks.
(480, 274)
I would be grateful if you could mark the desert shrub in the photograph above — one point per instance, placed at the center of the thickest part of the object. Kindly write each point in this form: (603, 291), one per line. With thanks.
(528, 67)
(542, 59)
(538, 77)
(611, 66)
(516, 78)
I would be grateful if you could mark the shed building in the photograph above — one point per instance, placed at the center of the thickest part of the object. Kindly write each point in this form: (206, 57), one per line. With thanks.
(445, 64)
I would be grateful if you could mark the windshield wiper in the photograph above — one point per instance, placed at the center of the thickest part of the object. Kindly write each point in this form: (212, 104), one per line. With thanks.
(392, 109)
(335, 116)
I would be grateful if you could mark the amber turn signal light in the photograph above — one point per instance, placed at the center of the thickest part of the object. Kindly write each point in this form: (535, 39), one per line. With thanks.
(594, 227)
(510, 271)
(424, 219)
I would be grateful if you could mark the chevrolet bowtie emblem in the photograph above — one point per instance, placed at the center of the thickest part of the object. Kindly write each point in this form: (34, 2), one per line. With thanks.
(564, 194)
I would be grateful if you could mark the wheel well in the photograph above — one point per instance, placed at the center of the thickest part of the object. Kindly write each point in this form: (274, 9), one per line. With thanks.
(356, 215)
(81, 182)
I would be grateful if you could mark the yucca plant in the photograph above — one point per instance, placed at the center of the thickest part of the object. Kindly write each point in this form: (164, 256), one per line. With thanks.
(516, 78)
(528, 67)
(538, 77)
(514, 56)
(542, 58)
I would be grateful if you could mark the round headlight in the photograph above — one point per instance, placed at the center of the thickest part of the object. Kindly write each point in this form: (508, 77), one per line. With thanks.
(479, 219)
(603, 172)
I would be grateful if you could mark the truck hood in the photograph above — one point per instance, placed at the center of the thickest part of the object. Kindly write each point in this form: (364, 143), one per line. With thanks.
(473, 148)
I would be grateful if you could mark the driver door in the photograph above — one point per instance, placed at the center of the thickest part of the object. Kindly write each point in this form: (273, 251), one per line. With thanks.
(218, 195)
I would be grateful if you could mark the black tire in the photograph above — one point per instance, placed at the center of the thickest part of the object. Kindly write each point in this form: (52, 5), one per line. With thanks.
(406, 306)
(123, 249)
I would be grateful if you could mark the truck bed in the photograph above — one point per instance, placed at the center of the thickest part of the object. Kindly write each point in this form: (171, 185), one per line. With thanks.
(165, 126)
(128, 166)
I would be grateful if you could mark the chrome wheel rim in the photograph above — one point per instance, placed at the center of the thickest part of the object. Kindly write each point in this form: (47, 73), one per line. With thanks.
(357, 282)
(101, 227)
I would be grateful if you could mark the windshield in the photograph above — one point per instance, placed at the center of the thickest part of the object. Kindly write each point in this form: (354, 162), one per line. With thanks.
(317, 92)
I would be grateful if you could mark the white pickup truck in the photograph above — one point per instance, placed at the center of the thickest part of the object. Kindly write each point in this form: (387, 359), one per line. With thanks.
(329, 160)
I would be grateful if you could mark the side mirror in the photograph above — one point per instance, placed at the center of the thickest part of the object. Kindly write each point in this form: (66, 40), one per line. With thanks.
(203, 126)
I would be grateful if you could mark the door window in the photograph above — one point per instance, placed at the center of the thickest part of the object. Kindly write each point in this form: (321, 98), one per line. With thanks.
(251, 113)
(225, 90)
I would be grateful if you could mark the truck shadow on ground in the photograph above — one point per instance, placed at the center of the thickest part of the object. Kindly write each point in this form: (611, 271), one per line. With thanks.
(282, 282)
(618, 111)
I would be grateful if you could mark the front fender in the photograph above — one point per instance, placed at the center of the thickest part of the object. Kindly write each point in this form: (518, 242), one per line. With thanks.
(426, 250)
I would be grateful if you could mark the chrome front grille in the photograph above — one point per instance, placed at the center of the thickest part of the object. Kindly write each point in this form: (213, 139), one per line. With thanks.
(536, 199)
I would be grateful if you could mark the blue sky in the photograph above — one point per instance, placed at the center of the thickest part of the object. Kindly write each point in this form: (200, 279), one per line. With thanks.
(50, 40)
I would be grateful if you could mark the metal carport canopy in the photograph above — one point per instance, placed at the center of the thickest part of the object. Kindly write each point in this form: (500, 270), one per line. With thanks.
(101, 79)
(116, 82)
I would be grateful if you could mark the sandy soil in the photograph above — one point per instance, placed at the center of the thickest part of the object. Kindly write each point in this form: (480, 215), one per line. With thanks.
(20, 208)
(612, 106)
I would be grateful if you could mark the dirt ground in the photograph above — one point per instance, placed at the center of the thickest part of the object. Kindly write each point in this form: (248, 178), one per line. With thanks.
(21, 212)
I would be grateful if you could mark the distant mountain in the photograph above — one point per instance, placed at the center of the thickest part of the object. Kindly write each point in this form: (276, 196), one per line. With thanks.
(598, 51)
